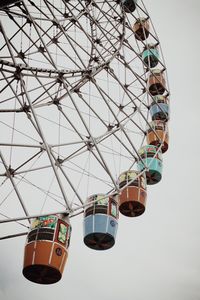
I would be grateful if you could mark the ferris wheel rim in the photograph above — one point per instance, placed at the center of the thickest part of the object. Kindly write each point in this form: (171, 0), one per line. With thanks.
(93, 72)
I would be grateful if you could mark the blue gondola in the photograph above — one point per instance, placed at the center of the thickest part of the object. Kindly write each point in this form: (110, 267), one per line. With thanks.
(100, 222)
(159, 108)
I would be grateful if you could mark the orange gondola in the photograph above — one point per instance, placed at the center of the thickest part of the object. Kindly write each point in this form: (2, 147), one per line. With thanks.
(141, 29)
(156, 82)
(46, 249)
(157, 134)
(132, 199)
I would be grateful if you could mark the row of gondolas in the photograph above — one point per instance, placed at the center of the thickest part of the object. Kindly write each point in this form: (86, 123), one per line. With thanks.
(46, 248)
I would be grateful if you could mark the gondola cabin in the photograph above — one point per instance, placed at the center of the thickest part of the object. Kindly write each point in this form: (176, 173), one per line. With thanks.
(157, 134)
(159, 108)
(132, 199)
(46, 249)
(141, 29)
(129, 5)
(5, 3)
(100, 222)
(151, 159)
(156, 82)
(150, 55)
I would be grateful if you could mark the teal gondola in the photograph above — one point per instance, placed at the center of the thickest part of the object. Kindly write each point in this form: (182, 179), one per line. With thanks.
(129, 5)
(151, 158)
(150, 55)
(5, 3)
(100, 222)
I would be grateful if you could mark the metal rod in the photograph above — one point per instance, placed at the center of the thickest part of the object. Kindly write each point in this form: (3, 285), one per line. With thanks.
(13, 184)
(46, 145)
(69, 181)
(7, 43)
(22, 145)
(33, 216)
(93, 141)
(13, 235)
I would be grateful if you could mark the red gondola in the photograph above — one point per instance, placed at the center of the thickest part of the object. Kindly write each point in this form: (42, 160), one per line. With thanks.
(46, 249)
(132, 199)
(141, 29)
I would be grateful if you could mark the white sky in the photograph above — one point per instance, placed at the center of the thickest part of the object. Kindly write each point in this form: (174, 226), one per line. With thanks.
(156, 256)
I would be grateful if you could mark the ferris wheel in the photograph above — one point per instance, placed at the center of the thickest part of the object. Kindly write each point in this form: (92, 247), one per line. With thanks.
(84, 112)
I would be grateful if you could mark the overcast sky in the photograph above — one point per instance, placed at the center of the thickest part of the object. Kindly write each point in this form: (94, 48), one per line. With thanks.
(156, 256)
